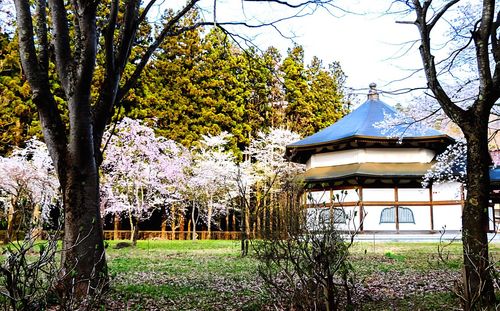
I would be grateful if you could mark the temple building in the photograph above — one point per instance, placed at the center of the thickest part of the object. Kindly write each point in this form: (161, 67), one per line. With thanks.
(369, 177)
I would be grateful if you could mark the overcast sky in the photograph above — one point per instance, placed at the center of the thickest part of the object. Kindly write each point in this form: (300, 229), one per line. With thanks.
(366, 42)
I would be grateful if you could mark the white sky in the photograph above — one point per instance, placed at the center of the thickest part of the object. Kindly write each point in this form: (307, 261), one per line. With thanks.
(367, 43)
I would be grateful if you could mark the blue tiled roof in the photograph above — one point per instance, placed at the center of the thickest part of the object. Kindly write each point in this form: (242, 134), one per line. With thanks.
(363, 122)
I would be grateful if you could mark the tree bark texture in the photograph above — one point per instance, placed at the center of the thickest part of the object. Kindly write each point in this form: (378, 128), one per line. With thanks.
(473, 121)
(71, 147)
(478, 285)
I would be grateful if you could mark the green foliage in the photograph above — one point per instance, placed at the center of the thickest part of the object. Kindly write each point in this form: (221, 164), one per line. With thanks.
(196, 84)
(313, 95)
(18, 115)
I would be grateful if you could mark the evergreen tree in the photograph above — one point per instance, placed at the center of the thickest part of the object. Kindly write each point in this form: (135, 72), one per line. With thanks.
(298, 113)
(313, 95)
(325, 94)
(18, 118)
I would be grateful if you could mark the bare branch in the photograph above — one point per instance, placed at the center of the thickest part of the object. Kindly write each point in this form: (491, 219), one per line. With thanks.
(494, 39)
(128, 33)
(456, 113)
(43, 57)
(440, 13)
(109, 36)
(481, 37)
(61, 43)
(145, 12)
(52, 125)
(145, 58)
(292, 5)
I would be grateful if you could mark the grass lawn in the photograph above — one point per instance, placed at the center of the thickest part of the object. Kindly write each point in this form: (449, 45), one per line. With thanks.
(211, 275)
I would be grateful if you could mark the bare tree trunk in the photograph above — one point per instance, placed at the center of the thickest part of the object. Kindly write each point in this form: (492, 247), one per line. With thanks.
(478, 285)
(209, 218)
(271, 207)
(163, 223)
(181, 225)
(133, 228)
(116, 226)
(193, 222)
(247, 222)
(83, 256)
(10, 223)
(227, 221)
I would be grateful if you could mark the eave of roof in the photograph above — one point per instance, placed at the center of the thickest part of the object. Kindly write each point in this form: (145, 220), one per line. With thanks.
(386, 170)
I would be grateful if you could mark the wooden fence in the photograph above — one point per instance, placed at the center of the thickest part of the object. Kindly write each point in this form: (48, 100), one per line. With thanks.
(145, 235)
(169, 235)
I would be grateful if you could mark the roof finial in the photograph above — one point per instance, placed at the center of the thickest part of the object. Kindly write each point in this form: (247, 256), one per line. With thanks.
(373, 93)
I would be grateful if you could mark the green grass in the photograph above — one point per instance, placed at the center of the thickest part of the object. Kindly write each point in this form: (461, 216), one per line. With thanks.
(211, 275)
(185, 275)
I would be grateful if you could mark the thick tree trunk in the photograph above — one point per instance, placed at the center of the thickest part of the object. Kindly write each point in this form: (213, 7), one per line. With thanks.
(84, 269)
(478, 285)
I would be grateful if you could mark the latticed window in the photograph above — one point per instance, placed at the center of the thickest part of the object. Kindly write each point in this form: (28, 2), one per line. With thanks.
(339, 216)
(405, 215)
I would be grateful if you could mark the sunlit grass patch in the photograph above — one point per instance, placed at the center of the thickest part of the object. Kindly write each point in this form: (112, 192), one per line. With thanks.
(212, 275)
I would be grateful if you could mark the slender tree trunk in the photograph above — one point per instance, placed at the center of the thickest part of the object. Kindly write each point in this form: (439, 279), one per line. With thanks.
(163, 227)
(271, 207)
(234, 221)
(135, 233)
(209, 218)
(227, 222)
(181, 225)
(478, 285)
(37, 231)
(116, 226)
(258, 228)
(247, 223)
(193, 222)
(10, 222)
(133, 228)
(265, 209)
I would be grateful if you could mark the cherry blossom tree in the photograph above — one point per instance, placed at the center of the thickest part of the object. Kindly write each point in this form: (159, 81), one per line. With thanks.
(262, 176)
(141, 172)
(213, 179)
(28, 187)
(450, 165)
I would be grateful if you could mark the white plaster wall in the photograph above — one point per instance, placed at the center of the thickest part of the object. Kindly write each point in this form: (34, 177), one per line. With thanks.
(378, 194)
(345, 196)
(422, 216)
(318, 197)
(446, 191)
(449, 216)
(413, 194)
(379, 155)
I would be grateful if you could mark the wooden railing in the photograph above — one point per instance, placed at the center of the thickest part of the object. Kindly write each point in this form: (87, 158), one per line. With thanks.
(144, 235)
(169, 235)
